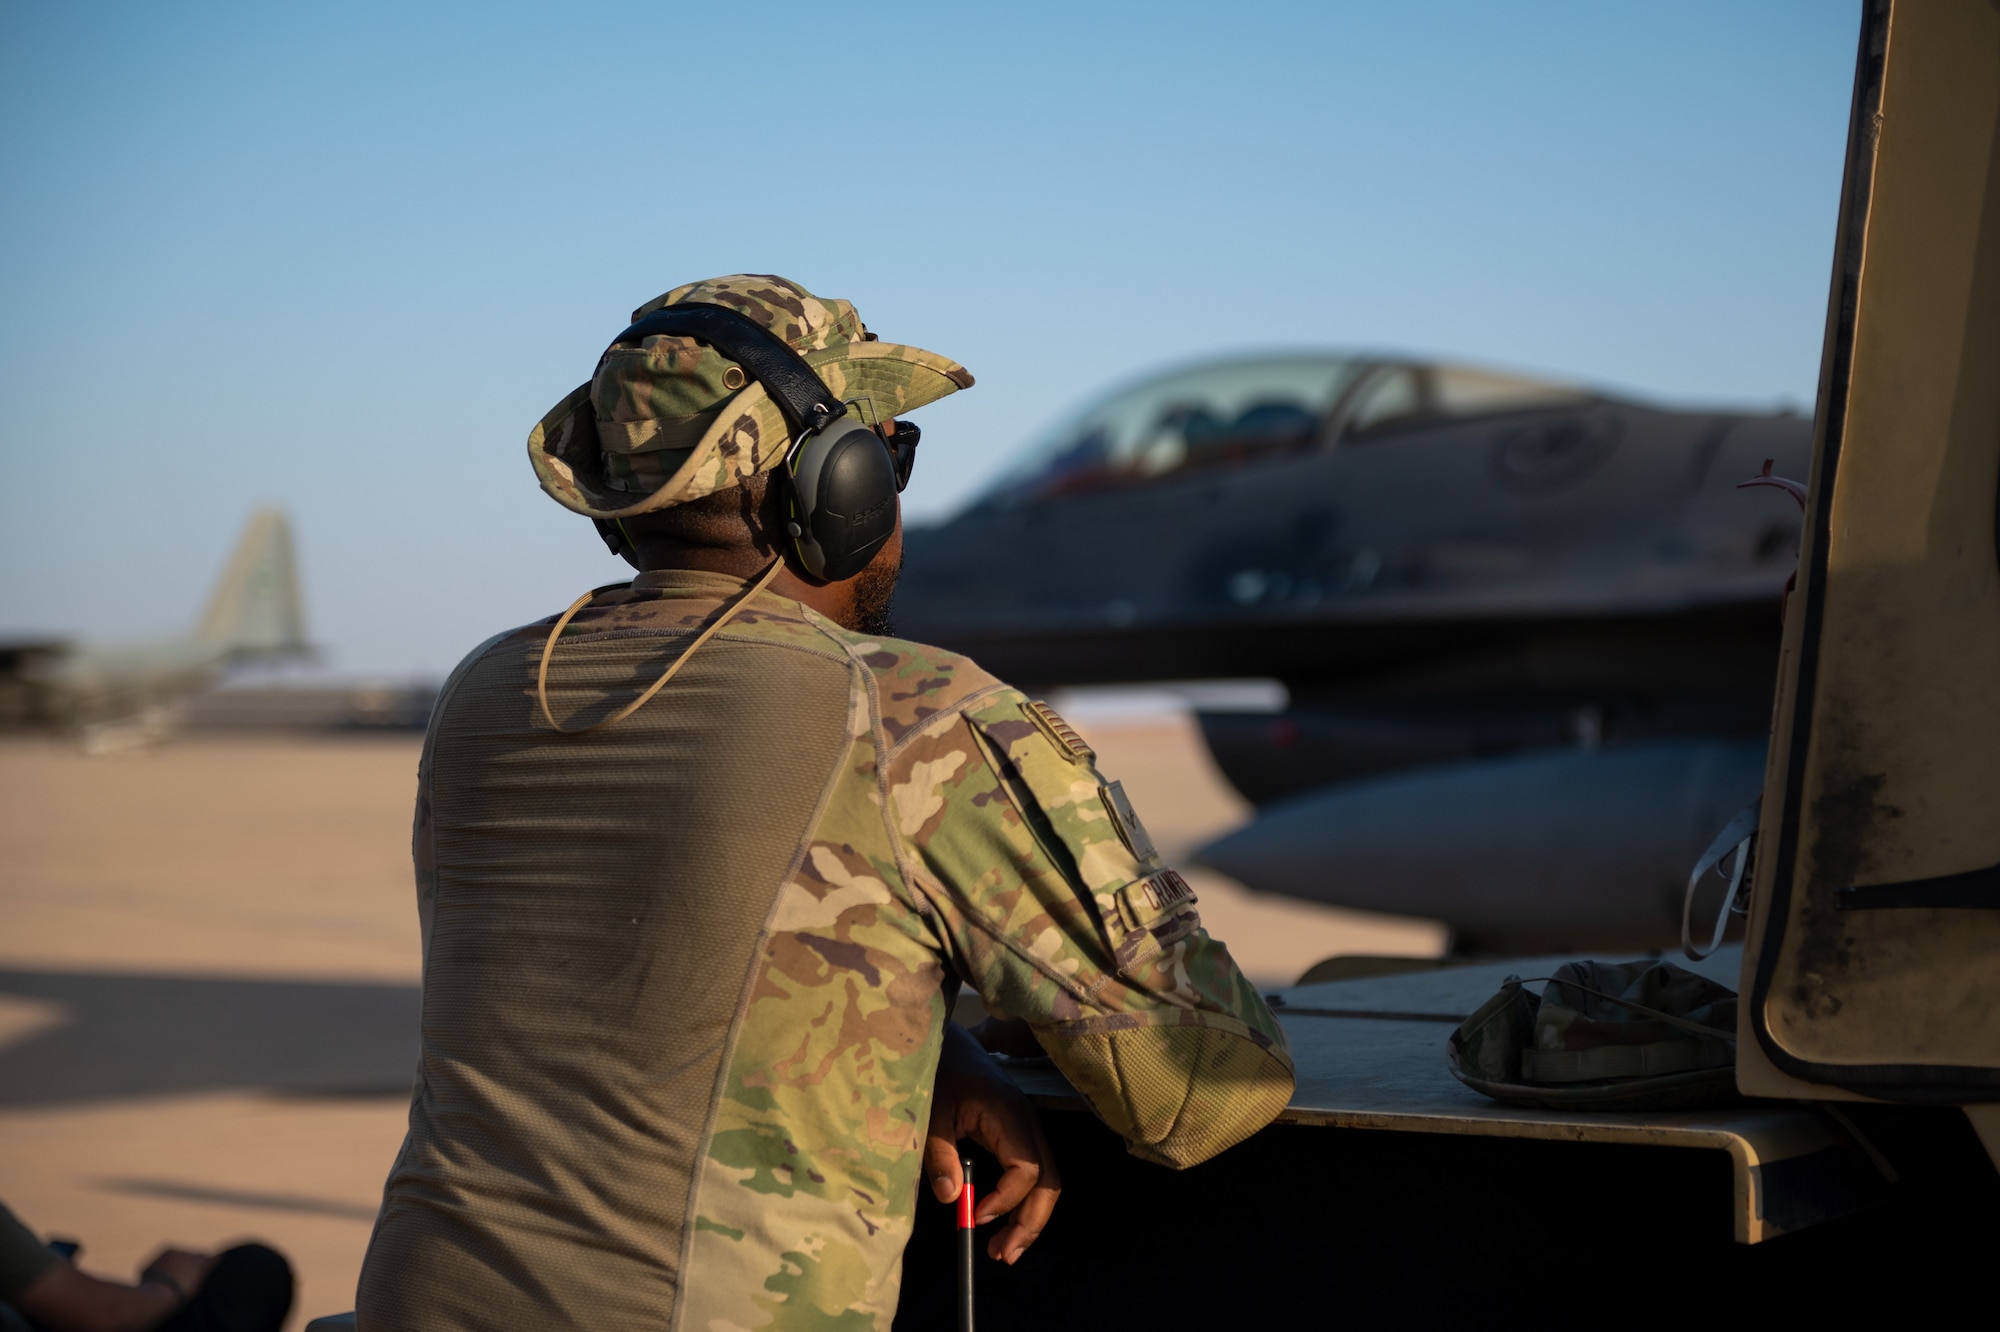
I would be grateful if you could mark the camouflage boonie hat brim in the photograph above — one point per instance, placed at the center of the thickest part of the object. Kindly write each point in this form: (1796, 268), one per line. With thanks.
(671, 420)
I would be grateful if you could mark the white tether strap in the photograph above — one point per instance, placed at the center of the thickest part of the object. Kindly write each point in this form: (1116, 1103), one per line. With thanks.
(1738, 837)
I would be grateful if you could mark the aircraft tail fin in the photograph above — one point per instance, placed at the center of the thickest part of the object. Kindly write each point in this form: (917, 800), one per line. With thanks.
(255, 609)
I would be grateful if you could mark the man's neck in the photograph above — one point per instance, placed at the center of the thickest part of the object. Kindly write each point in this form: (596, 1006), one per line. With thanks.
(833, 600)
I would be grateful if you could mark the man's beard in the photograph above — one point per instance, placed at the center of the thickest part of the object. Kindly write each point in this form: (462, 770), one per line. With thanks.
(874, 590)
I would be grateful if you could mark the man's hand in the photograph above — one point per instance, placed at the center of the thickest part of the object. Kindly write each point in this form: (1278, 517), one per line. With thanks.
(975, 1099)
(178, 1270)
(64, 1299)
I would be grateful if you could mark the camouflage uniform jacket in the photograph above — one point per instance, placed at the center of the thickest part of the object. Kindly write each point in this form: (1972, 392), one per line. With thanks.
(945, 825)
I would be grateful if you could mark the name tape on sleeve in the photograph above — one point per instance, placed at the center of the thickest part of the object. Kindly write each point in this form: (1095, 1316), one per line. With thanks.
(1147, 901)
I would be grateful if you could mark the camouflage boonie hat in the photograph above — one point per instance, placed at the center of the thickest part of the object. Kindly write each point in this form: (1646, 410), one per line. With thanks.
(672, 420)
(1603, 1036)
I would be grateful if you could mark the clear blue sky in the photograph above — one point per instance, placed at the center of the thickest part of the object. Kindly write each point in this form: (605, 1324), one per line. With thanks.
(342, 257)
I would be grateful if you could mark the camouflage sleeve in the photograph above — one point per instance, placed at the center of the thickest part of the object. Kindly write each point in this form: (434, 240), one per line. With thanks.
(1055, 906)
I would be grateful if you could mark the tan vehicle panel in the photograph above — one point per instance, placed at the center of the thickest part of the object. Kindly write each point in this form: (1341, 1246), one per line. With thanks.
(1874, 958)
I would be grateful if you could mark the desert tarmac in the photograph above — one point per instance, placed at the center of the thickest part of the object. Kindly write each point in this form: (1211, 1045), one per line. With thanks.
(209, 978)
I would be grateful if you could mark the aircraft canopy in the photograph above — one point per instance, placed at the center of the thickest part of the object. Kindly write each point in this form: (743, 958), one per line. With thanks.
(1228, 412)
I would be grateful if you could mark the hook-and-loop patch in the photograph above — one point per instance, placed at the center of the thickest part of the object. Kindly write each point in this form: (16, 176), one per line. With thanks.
(1060, 731)
(1126, 820)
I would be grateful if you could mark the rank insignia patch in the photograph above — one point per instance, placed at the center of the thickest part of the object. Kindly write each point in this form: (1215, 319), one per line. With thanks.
(1126, 820)
(1061, 732)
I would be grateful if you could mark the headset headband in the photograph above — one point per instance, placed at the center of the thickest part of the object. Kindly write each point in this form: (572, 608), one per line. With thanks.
(799, 392)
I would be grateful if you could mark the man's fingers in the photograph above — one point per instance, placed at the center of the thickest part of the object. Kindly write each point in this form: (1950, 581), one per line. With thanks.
(941, 1167)
(1017, 1180)
(1007, 1127)
(1029, 1182)
(1025, 1226)
(975, 1099)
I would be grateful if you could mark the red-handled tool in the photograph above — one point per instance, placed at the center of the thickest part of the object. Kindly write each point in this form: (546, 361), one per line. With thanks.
(965, 1247)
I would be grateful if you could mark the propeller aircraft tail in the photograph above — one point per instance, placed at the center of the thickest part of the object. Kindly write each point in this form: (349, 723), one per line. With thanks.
(255, 610)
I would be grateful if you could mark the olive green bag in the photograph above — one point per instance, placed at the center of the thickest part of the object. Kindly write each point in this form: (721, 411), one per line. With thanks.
(1603, 1036)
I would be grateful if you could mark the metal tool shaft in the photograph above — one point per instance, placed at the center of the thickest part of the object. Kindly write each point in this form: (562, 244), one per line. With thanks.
(966, 1249)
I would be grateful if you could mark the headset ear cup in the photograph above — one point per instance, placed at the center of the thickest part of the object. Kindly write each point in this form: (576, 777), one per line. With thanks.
(613, 533)
(843, 500)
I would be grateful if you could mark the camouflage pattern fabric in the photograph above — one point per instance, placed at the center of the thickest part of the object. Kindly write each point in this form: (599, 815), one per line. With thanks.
(671, 420)
(1634, 1034)
(963, 837)
(964, 832)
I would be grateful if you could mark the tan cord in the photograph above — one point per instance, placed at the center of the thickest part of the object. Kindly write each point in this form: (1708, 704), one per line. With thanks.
(549, 647)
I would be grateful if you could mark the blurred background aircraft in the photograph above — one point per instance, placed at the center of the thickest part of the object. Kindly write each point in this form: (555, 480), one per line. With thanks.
(117, 695)
(1526, 632)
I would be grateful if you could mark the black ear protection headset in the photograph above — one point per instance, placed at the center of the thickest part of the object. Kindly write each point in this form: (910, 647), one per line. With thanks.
(841, 475)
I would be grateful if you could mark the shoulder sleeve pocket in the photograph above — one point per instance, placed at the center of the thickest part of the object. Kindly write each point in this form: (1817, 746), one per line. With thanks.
(1088, 826)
